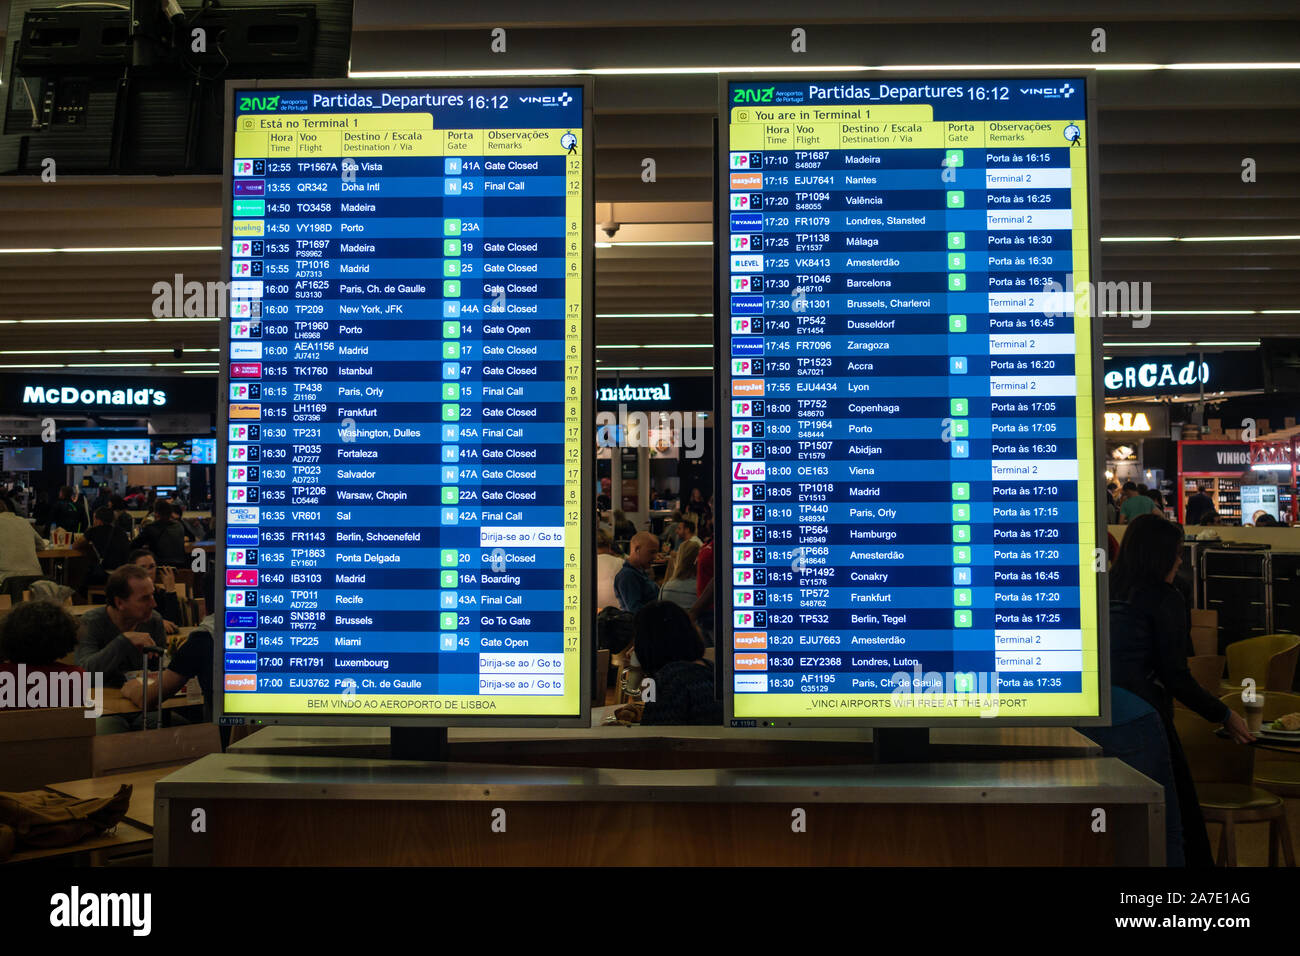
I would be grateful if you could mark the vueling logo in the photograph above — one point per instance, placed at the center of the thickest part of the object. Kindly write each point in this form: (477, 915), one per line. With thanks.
(763, 95)
(247, 103)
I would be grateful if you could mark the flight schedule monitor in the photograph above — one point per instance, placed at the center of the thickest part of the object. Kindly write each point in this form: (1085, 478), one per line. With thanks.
(406, 371)
(909, 500)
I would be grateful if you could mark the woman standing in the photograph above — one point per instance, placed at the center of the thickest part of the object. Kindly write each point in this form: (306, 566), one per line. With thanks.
(680, 586)
(1148, 638)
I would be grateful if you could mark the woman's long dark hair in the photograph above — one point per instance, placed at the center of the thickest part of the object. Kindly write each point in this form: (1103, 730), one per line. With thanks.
(664, 633)
(1146, 555)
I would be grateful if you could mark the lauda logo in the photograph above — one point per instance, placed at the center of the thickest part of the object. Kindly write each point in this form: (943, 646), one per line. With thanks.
(259, 102)
(749, 471)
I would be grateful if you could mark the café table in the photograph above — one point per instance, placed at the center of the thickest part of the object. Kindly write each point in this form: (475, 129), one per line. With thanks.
(58, 557)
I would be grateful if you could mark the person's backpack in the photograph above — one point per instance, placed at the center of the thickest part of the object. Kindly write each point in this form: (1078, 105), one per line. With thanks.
(37, 818)
(614, 630)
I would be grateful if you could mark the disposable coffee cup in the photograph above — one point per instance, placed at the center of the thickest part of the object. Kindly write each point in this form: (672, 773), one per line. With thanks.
(1254, 713)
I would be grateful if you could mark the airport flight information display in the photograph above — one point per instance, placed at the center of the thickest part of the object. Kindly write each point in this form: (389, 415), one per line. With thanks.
(402, 450)
(908, 409)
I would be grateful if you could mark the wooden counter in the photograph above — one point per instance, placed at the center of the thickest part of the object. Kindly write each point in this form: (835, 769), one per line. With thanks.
(264, 810)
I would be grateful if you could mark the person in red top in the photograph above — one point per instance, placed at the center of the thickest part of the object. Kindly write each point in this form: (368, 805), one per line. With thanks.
(35, 634)
(701, 611)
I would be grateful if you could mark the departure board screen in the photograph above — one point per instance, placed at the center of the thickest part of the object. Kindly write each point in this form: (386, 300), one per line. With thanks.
(405, 376)
(909, 502)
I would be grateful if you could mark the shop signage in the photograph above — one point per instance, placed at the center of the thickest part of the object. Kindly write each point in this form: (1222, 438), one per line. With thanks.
(1214, 457)
(1127, 422)
(34, 395)
(1160, 376)
(1183, 375)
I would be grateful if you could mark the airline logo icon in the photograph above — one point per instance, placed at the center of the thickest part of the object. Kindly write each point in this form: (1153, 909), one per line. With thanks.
(748, 555)
(246, 330)
(242, 515)
(750, 263)
(244, 268)
(245, 411)
(245, 369)
(241, 619)
(746, 222)
(746, 160)
(742, 534)
(747, 386)
(746, 366)
(742, 409)
(743, 201)
(750, 640)
(750, 683)
(246, 290)
(250, 167)
(249, 187)
(245, 433)
(749, 471)
(746, 577)
(746, 449)
(743, 598)
(743, 325)
(243, 661)
(742, 284)
(242, 537)
(241, 578)
(238, 453)
(747, 180)
(746, 429)
(747, 304)
(241, 495)
(241, 556)
(748, 619)
(246, 309)
(747, 243)
(235, 598)
(742, 492)
(745, 513)
(746, 345)
(242, 473)
(238, 640)
(750, 662)
(245, 350)
(240, 391)
(248, 227)
(241, 682)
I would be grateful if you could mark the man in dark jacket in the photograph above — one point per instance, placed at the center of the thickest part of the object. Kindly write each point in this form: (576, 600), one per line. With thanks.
(164, 536)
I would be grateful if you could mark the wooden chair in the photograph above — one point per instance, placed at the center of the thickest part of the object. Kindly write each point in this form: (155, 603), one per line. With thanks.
(96, 591)
(1205, 634)
(1275, 772)
(1208, 671)
(6, 602)
(1223, 771)
(1270, 659)
(602, 678)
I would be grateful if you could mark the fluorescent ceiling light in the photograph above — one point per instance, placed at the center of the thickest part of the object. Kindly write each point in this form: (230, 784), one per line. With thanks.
(654, 315)
(654, 368)
(859, 68)
(1239, 239)
(1279, 311)
(1252, 342)
(657, 242)
(94, 321)
(1143, 345)
(1138, 239)
(690, 346)
(86, 249)
(96, 351)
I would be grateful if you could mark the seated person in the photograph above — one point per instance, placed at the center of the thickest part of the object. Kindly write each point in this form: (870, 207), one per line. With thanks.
(107, 546)
(670, 651)
(36, 634)
(679, 587)
(193, 530)
(19, 542)
(113, 638)
(633, 584)
(192, 659)
(164, 587)
(164, 536)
